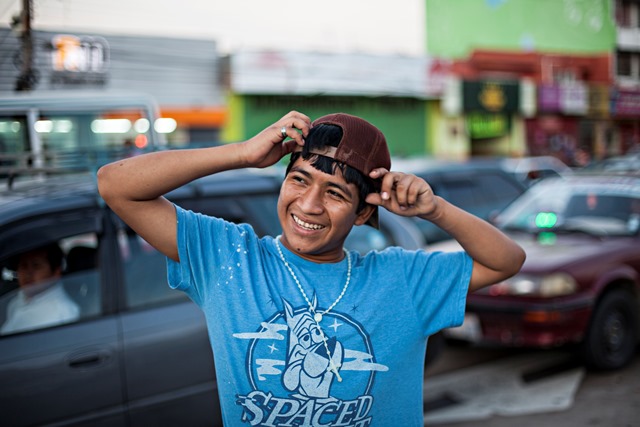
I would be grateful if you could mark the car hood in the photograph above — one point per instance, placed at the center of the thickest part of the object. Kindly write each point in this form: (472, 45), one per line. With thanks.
(548, 253)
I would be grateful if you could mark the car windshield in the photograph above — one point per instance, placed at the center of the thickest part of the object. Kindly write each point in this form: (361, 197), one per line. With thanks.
(599, 208)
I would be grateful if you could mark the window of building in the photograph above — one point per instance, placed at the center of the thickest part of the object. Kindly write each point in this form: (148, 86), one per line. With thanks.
(628, 65)
(626, 13)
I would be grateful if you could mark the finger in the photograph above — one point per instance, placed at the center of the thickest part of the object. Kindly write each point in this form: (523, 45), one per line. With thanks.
(387, 188)
(289, 146)
(417, 188)
(401, 190)
(296, 120)
(374, 199)
(378, 173)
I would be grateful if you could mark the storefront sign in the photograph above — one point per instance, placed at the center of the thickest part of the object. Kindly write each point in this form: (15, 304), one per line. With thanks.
(567, 98)
(79, 60)
(491, 96)
(625, 102)
(599, 102)
(481, 125)
(79, 54)
(549, 98)
(574, 98)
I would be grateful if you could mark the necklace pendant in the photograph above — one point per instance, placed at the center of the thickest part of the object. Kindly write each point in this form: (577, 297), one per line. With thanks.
(317, 317)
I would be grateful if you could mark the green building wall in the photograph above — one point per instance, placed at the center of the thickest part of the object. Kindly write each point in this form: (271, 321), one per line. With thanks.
(456, 27)
(402, 120)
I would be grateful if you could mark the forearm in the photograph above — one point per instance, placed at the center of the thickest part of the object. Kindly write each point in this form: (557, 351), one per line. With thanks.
(495, 255)
(149, 176)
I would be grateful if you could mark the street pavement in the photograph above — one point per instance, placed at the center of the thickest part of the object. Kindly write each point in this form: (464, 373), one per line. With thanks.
(484, 387)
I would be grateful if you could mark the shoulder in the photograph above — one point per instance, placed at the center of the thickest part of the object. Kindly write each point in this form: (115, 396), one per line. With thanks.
(394, 257)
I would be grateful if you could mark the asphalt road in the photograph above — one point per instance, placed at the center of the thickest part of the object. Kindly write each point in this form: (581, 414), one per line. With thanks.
(488, 387)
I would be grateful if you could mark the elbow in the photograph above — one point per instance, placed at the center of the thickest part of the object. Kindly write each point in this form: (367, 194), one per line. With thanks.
(519, 256)
(104, 179)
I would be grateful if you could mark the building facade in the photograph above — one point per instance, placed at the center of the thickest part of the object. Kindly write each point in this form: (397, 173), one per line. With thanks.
(181, 74)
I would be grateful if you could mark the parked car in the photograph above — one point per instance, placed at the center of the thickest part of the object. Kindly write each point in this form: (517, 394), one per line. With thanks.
(530, 170)
(580, 284)
(138, 354)
(481, 187)
(627, 163)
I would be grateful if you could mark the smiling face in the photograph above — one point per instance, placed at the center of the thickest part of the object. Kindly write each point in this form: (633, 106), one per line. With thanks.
(316, 211)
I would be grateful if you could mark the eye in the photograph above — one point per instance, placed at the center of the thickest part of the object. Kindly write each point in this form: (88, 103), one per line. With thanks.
(336, 194)
(316, 335)
(299, 179)
(305, 339)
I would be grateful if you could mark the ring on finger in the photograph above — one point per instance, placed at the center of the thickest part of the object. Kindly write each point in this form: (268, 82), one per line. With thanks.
(283, 131)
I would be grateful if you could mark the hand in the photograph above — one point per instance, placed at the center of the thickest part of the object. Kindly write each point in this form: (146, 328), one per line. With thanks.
(269, 146)
(403, 194)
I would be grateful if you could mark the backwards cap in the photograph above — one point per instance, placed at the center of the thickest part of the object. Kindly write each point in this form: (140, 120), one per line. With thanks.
(363, 147)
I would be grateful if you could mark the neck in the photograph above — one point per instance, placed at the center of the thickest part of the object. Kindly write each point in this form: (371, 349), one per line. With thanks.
(333, 255)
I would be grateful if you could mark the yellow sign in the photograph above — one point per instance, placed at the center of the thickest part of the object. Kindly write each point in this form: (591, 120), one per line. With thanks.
(492, 97)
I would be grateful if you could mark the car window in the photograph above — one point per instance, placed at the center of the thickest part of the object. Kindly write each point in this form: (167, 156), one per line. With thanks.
(497, 189)
(462, 193)
(13, 141)
(145, 273)
(39, 292)
(364, 239)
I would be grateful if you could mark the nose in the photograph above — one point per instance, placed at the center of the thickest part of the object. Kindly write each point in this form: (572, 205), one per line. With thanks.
(310, 201)
(25, 275)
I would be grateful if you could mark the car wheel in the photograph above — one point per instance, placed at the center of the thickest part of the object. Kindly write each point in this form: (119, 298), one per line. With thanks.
(611, 339)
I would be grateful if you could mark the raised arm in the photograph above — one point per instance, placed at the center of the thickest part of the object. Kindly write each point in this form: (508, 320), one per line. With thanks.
(134, 187)
(495, 256)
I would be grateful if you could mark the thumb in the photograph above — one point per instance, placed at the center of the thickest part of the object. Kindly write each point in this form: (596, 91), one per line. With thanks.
(374, 199)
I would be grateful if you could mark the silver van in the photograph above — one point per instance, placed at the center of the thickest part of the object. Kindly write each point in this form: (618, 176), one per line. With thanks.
(75, 129)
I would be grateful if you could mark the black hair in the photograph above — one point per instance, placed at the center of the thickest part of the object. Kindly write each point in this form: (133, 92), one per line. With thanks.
(324, 135)
(54, 255)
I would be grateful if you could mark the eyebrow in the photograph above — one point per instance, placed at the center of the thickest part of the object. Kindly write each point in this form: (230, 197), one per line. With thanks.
(340, 187)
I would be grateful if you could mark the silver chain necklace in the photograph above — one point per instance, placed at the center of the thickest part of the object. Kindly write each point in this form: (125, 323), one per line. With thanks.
(317, 316)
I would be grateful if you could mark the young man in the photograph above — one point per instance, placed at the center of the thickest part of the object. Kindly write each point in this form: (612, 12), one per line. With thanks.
(304, 332)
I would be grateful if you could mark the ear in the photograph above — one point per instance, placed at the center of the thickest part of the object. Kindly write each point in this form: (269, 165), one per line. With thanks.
(287, 308)
(57, 272)
(364, 214)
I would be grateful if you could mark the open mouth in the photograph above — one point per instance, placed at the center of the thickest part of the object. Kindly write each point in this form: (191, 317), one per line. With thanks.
(306, 225)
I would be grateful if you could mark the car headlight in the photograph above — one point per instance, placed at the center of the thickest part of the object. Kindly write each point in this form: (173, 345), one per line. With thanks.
(551, 285)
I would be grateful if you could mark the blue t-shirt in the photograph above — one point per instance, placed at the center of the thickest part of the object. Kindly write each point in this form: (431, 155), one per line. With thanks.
(272, 367)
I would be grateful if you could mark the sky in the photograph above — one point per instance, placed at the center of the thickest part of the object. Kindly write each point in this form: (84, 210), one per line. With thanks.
(340, 26)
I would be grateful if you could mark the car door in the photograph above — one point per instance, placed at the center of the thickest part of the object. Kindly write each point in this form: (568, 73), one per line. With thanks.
(167, 359)
(170, 376)
(67, 373)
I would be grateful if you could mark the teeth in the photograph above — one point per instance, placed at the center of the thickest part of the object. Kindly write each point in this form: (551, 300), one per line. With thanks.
(306, 225)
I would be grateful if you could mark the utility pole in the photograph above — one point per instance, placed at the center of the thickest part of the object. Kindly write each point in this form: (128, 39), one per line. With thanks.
(27, 78)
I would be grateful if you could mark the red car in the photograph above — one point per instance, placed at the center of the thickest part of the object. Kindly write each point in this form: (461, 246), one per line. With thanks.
(580, 283)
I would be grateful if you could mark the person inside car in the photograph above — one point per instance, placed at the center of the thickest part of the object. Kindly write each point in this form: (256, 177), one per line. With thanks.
(303, 331)
(41, 300)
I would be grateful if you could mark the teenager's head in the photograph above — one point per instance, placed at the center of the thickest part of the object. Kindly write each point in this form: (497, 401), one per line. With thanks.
(350, 144)
(327, 181)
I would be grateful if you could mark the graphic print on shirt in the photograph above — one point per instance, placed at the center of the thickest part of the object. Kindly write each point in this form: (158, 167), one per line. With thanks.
(292, 374)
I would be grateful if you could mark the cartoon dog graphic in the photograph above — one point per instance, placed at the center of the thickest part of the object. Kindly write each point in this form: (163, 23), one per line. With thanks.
(309, 369)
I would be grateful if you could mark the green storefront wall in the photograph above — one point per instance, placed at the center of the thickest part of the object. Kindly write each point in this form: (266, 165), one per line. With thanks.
(402, 120)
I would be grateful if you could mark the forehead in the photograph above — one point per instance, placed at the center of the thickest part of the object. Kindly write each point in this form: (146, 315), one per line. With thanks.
(35, 255)
(306, 166)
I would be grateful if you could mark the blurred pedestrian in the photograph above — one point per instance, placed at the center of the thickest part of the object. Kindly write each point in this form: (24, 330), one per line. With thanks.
(41, 300)
(303, 331)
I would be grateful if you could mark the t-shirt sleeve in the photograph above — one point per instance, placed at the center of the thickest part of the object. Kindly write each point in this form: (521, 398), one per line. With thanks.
(440, 290)
(204, 246)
